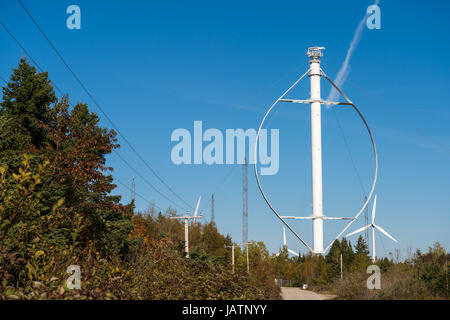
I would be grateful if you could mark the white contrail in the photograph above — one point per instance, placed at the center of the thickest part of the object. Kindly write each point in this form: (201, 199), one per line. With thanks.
(343, 71)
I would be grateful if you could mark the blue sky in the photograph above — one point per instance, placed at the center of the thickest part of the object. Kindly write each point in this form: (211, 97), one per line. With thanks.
(158, 66)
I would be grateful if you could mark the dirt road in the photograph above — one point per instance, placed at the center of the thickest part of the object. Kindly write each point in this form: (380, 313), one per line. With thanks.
(288, 293)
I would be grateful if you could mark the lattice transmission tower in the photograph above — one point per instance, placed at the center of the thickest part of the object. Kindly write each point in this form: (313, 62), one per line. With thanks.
(245, 201)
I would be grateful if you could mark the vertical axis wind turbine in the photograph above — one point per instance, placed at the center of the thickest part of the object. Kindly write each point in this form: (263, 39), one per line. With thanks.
(373, 226)
(186, 225)
(315, 73)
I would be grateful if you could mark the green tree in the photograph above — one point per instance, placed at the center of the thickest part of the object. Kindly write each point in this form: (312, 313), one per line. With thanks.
(56, 209)
(75, 146)
(361, 247)
(333, 260)
(361, 258)
(24, 111)
(384, 264)
(321, 273)
(347, 253)
(24, 231)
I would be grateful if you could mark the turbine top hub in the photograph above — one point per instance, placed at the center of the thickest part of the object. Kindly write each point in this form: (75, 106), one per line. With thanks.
(314, 53)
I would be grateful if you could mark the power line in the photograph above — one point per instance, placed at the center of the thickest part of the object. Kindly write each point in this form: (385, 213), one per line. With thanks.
(149, 183)
(142, 197)
(220, 185)
(366, 213)
(270, 86)
(341, 130)
(234, 167)
(28, 55)
(400, 117)
(60, 91)
(382, 243)
(212, 208)
(99, 107)
(6, 82)
(404, 120)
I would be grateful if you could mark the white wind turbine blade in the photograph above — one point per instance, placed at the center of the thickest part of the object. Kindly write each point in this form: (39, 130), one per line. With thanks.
(387, 234)
(373, 209)
(284, 236)
(196, 208)
(293, 252)
(359, 230)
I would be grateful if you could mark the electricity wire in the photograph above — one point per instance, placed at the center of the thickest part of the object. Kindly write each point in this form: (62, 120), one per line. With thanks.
(27, 53)
(99, 107)
(226, 177)
(140, 196)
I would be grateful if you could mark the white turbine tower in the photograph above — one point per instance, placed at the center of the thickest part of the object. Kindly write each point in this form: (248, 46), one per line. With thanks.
(186, 226)
(373, 226)
(285, 245)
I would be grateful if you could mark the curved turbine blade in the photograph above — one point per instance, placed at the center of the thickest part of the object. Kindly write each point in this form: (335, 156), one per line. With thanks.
(359, 230)
(293, 252)
(373, 209)
(387, 234)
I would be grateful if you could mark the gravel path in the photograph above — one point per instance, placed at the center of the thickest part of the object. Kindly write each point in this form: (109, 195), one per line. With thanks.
(288, 293)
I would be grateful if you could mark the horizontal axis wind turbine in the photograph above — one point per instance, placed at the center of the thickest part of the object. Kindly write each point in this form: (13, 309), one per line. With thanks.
(186, 225)
(373, 226)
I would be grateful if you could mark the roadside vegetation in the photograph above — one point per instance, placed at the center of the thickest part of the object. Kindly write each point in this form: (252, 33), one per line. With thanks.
(57, 210)
(420, 276)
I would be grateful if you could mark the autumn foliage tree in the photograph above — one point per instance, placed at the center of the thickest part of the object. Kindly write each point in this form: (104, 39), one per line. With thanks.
(76, 149)
(59, 155)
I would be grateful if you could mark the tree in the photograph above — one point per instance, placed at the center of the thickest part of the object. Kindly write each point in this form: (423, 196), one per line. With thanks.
(361, 259)
(347, 253)
(75, 147)
(322, 270)
(280, 261)
(56, 210)
(333, 260)
(361, 247)
(384, 264)
(214, 242)
(24, 110)
(26, 233)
